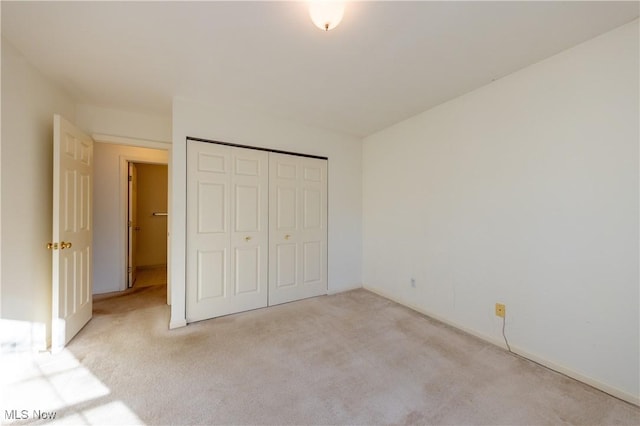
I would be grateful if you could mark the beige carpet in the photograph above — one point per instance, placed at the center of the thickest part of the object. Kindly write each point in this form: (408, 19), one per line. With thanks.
(352, 358)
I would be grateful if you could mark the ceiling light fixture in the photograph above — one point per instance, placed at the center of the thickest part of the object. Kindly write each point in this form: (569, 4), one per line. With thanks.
(327, 14)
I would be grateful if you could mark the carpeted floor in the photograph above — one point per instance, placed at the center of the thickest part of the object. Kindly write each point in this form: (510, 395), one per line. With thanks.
(154, 275)
(351, 358)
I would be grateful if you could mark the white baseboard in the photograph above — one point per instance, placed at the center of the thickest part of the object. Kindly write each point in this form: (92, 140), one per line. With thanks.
(620, 394)
(173, 324)
(343, 290)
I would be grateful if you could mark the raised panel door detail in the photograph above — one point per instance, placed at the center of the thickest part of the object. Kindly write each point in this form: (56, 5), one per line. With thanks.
(211, 207)
(86, 272)
(312, 261)
(70, 201)
(84, 203)
(312, 174)
(211, 274)
(286, 265)
(78, 261)
(211, 163)
(312, 209)
(72, 268)
(85, 153)
(247, 167)
(286, 208)
(286, 171)
(70, 146)
(247, 208)
(67, 278)
(247, 270)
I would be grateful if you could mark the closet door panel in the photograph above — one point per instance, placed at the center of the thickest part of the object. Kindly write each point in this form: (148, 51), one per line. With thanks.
(286, 265)
(286, 213)
(211, 207)
(247, 270)
(207, 228)
(312, 261)
(227, 230)
(211, 274)
(250, 234)
(297, 230)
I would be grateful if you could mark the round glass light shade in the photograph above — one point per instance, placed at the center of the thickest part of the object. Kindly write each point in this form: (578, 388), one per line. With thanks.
(326, 15)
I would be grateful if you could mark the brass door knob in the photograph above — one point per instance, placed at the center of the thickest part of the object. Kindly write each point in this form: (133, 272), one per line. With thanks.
(52, 246)
(247, 239)
(286, 237)
(64, 245)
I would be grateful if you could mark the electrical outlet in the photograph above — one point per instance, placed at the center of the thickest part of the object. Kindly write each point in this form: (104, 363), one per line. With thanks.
(413, 282)
(500, 310)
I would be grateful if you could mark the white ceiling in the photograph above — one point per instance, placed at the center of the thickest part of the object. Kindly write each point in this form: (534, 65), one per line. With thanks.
(384, 63)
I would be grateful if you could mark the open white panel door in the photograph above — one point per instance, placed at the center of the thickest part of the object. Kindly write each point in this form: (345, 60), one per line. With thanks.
(72, 231)
(297, 227)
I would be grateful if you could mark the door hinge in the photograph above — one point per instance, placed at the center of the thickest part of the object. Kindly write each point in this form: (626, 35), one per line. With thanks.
(129, 269)
(130, 178)
(129, 224)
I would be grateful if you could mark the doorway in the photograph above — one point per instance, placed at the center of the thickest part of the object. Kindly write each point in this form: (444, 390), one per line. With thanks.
(147, 224)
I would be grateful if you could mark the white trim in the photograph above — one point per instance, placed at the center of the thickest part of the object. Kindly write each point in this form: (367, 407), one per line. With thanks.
(344, 290)
(620, 394)
(125, 159)
(177, 324)
(121, 140)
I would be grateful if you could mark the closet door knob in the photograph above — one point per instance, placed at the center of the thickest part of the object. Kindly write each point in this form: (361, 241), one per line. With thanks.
(286, 237)
(247, 239)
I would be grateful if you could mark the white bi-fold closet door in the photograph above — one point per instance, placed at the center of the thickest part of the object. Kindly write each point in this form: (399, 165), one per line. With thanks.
(297, 228)
(256, 229)
(227, 229)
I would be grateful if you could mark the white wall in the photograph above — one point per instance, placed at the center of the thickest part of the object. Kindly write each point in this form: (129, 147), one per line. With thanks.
(109, 213)
(29, 101)
(525, 192)
(344, 192)
(131, 124)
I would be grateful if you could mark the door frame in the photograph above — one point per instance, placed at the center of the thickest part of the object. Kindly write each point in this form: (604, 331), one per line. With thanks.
(125, 160)
(124, 196)
(132, 212)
